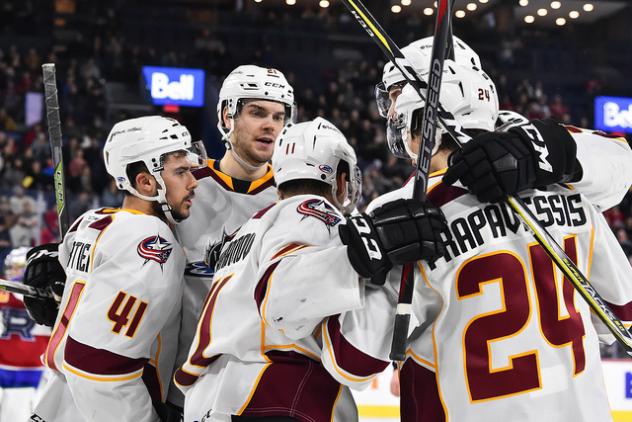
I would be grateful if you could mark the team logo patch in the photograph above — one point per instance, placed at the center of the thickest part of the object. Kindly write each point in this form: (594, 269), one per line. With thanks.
(198, 269)
(325, 168)
(318, 208)
(154, 248)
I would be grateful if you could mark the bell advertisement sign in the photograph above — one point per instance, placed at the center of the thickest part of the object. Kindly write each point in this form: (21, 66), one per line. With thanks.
(613, 114)
(175, 85)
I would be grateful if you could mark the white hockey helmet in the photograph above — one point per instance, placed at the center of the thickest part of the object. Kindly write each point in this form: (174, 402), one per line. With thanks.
(466, 93)
(313, 150)
(253, 82)
(15, 263)
(148, 139)
(418, 54)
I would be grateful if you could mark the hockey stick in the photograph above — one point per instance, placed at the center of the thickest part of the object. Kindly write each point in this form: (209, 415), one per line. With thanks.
(54, 134)
(23, 289)
(454, 130)
(420, 183)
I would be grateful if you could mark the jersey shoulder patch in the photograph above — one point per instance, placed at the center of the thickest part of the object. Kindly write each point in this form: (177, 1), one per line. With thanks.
(321, 210)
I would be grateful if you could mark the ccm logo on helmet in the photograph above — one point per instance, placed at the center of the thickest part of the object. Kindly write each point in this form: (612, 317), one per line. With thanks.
(274, 85)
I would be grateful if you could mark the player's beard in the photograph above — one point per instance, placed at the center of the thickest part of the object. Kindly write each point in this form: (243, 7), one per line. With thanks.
(177, 216)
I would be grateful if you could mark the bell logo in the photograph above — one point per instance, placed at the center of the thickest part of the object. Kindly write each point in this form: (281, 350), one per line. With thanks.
(615, 116)
(175, 85)
(162, 88)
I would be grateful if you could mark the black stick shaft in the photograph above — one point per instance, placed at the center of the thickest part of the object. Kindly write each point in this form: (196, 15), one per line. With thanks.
(54, 135)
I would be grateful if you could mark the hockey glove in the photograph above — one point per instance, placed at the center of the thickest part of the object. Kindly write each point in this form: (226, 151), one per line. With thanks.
(43, 271)
(396, 233)
(496, 164)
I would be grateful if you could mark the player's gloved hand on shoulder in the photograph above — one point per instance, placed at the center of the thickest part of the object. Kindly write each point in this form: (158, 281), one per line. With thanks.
(44, 272)
(398, 232)
(496, 164)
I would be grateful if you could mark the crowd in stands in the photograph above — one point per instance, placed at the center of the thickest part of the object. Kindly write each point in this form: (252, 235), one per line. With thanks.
(341, 91)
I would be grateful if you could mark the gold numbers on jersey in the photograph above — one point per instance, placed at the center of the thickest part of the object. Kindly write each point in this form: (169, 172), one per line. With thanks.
(120, 310)
(522, 374)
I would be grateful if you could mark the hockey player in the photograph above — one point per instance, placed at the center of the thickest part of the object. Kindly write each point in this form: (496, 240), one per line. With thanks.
(254, 105)
(22, 343)
(122, 295)
(603, 177)
(506, 335)
(255, 357)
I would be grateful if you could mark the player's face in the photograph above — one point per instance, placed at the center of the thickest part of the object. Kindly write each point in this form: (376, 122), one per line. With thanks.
(393, 93)
(413, 143)
(256, 128)
(180, 184)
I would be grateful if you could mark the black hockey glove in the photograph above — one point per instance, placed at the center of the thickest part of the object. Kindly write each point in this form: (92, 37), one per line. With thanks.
(396, 233)
(496, 164)
(43, 271)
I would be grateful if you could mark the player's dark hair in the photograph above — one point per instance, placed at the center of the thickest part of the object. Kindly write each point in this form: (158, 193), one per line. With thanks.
(303, 186)
(310, 186)
(133, 170)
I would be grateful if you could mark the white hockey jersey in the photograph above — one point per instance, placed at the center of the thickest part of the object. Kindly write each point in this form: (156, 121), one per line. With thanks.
(254, 353)
(570, 385)
(110, 345)
(222, 204)
(513, 339)
(605, 161)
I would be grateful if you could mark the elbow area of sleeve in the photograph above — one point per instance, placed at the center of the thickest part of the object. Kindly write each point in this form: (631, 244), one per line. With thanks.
(350, 363)
(99, 364)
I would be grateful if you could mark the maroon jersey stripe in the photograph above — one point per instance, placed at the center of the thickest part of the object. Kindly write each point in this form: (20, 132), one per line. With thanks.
(296, 386)
(262, 285)
(99, 361)
(624, 312)
(441, 194)
(348, 357)
(419, 394)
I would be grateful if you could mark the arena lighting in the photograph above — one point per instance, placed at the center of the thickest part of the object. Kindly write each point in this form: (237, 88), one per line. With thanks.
(471, 7)
(459, 14)
(529, 19)
(523, 3)
(324, 3)
(406, 2)
(542, 12)
(258, 1)
(396, 8)
(556, 5)
(483, 1)
(290, 2)
(560, 21)
(428, 11)
(573, 14)
(588, 7)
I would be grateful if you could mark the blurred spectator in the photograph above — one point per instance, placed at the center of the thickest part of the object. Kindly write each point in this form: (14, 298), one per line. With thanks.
(24, 232)
(19, 200)
(558, 109)
(111, 196)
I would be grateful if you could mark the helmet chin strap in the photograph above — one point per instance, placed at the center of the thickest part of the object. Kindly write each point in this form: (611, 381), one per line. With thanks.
(243, 162)
(160, 197)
